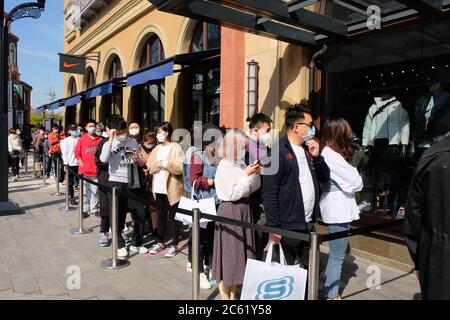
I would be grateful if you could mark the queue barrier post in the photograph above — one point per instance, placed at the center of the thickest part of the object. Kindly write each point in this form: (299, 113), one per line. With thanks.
(313, 268)
(81, 229)
(67, 207)
(43, 171)
(195, 253)
(34, 164)
(58, 173)
(114, 263)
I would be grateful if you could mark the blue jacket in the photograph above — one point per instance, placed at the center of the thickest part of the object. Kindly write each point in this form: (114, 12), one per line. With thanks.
(282, 194)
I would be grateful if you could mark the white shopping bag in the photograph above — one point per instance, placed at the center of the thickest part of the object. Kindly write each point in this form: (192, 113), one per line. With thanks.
(207, 206)
(273, 281)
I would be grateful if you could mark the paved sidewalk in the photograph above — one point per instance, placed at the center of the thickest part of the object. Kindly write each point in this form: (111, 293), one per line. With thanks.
(36, 250)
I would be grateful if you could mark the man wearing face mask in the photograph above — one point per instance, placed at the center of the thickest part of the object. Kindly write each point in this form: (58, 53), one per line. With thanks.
(291, 196)
(123, 156)
(67, 150)
(85, 154)
(257, 150)
(54, 140)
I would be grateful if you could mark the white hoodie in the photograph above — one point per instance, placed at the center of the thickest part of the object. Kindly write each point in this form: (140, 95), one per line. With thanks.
(14, 143)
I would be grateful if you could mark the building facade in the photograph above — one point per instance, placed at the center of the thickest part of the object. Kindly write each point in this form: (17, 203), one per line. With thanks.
(133, 34)
(19, 99)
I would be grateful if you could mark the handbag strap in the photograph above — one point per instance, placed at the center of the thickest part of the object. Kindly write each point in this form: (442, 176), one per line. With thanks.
(270, 254)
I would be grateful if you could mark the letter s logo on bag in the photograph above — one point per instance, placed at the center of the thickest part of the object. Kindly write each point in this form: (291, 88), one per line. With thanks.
(275, 289)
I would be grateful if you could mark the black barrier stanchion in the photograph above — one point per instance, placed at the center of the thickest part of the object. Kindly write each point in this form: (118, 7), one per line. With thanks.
(114, 263)
(58, 173)
(67, 207)
(195, 253)
(81, 229)
(34, 164)
(26, 161)
(313, 267)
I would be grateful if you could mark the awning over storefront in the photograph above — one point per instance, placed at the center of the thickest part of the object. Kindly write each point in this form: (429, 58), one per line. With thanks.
(73, 100)
(41, 109)
(56, 105)
(101, 89)
(298, 22)
(164, 68)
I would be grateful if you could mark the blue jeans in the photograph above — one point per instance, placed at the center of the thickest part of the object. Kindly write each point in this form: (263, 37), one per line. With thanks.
(336, 257)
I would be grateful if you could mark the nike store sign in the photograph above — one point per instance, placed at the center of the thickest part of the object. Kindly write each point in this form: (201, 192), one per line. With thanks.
(72, 64)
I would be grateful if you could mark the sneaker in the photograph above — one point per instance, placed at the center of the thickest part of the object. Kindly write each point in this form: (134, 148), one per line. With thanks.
(122, 253)
(76, 188)
(189, 267)
(15, 179)
(204, 282)
(73, 202)
(140, 250)
(86, 215)
(103, 240)
(126, 238)
(171, 252)
(156, 249)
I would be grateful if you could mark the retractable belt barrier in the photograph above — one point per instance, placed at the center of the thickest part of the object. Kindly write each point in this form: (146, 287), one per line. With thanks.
(314, 239)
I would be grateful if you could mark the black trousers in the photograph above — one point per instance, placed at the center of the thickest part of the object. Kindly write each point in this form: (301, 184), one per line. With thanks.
(55, 157)
(105, 212)
(127, 202)
(166, 216)
(73, 172)
(15, 165)
(206, 246)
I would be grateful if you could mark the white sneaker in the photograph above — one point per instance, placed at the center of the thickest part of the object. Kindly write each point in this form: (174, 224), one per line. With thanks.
(171, 252)
(204, 282)
(189, 267)
(122, 253)
(156, 249)
(140, 250)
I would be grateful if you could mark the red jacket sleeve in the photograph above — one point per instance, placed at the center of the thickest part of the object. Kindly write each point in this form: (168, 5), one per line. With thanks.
(196, 174)
(77, 150)
(53, 139)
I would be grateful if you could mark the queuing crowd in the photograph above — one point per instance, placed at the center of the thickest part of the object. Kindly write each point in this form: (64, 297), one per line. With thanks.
(314, 177)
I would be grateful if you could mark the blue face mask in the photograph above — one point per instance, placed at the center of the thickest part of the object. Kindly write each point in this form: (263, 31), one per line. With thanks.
(311, 134)
(76, 133)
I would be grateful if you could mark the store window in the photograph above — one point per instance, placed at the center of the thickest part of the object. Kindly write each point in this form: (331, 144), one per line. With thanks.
(206, 36)
(71, 110)
(394, 88)
(149, 99)
(205, 77)
(90, 106)
(114, 102)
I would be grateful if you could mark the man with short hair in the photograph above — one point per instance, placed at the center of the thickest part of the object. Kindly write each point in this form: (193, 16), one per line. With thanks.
(54, 140)
(68, 155)
(257, 150)
(291, 195)
(85, 154)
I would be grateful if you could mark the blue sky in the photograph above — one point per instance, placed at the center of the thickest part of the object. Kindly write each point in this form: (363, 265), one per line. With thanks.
(39, 43)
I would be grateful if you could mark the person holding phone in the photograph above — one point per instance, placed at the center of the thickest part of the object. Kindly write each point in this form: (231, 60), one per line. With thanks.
(291, 196)
(233, 245)
(122, 153)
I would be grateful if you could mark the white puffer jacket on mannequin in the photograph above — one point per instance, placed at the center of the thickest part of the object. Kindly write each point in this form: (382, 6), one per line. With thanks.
(398, 126)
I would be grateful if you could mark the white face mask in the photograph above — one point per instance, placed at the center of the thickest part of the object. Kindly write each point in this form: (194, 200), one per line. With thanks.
(134, 132)
(105, 135)
(161, 137)
(122, 137)
(264, 139)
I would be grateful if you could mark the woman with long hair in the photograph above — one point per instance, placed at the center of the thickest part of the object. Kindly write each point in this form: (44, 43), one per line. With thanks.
(338, 204)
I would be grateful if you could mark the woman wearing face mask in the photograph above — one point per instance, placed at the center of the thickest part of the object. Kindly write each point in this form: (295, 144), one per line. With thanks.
(338, 204)
(233, 245)
(166, 164)
(14, 149)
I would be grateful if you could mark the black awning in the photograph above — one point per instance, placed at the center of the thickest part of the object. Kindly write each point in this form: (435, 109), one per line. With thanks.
(293, 21)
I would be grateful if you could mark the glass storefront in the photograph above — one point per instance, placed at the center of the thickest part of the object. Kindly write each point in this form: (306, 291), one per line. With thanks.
(394, 88)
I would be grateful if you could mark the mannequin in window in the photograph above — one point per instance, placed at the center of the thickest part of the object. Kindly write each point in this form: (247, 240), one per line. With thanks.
(386, 138)
(432, 118)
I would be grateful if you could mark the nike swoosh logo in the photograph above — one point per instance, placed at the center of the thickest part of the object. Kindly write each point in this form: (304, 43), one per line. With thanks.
(69, 65)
